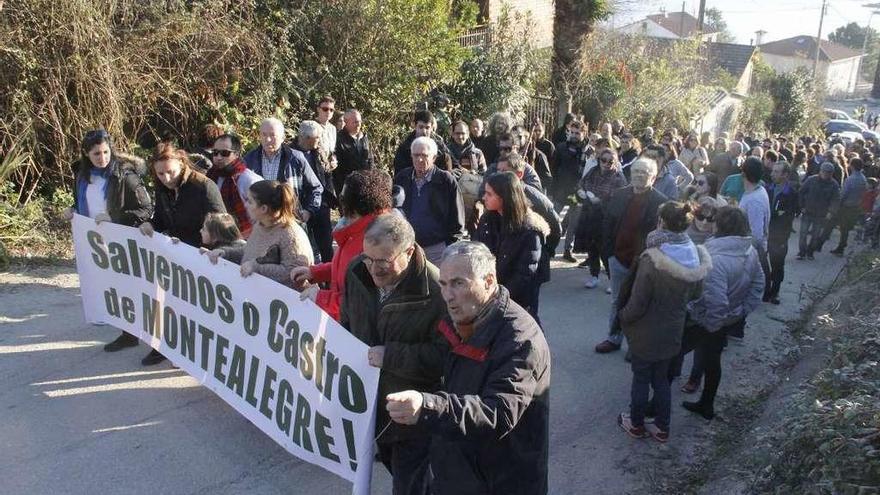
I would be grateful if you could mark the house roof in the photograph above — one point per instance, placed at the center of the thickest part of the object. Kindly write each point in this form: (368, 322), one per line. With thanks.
(805, 47)
(682, 24)
(729, 56)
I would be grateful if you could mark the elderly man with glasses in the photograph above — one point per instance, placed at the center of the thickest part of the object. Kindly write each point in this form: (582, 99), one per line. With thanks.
(393, 303)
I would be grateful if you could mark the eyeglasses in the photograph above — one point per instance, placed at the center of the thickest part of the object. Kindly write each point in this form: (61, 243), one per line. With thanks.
(223, 153)
(326, 109)
(705, 218)
(701, 183)
(380, 263)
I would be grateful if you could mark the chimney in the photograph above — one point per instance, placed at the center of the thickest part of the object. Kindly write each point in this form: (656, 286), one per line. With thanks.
(759, 37)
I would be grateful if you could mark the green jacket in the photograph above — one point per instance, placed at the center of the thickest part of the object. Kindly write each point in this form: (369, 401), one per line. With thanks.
(406, 324)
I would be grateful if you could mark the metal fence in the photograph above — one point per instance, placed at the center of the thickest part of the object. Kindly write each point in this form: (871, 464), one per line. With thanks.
(477, 37)
(542, 108)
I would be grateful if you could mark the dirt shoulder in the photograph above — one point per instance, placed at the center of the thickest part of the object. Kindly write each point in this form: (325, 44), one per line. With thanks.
(812, 425)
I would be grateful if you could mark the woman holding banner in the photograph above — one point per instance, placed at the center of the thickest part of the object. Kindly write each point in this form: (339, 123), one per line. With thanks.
(278, 244)
(184, 198)
(109, 187)
(365, 195)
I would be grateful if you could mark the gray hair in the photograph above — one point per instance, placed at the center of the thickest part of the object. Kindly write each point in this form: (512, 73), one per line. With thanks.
(310, 128)
(392, 228)
(736, 144)
(424, 141)
(351, 112)
(478, 256)
(648, 162)
(515, 161)
(273, 123)
(499, 117)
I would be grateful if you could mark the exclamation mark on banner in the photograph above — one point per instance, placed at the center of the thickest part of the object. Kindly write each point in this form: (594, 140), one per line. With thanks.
(349, 441)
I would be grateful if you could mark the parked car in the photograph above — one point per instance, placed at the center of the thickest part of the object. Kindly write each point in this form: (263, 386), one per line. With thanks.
(871, 135)
(835, 126)
(846, 137)
(837, 114)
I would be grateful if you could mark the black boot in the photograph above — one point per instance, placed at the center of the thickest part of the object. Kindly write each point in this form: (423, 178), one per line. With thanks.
(123, 341)
(154, 357)
(707, 412)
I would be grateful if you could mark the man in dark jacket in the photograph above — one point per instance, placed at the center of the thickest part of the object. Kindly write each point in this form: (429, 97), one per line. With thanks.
(783, 208)
(532, 155)
(571, 155)
(432, 203)
(819, 197)
(462, 146)
(392, 303)
(490, 419)
(274, 160)
(353, 150)
(630, 215)
(423, 126)
(320, 228)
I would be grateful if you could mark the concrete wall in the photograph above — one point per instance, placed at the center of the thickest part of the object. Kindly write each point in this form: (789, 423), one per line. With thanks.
(721, 118)
(541, 14)
(840, 76)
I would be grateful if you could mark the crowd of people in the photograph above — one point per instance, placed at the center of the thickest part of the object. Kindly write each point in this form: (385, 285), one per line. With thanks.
(440, 256)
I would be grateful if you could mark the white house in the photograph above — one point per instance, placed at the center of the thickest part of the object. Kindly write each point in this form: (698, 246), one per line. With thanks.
(670, 25)
(838, 64)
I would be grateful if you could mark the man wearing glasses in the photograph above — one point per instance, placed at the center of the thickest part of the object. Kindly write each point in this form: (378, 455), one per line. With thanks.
(393, 303)
(324, 115)
(233, 178)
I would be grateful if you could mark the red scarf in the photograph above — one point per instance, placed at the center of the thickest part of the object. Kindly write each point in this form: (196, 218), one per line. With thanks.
(229, 192)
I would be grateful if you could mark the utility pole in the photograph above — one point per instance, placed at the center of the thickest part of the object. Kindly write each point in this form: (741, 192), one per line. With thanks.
(701, 17)
(681, 23)
(819, 38)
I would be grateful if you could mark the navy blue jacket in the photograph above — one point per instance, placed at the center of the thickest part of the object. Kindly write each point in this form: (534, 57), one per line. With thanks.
(490, 420)
(295, 170)
(444, 200)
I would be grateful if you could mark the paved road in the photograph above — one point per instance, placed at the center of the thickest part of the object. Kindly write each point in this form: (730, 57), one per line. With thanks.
(76, 420)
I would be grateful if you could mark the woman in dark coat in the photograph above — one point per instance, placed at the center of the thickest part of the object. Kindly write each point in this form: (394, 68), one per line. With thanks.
(109, 187)
(184, 198)
(516, 236)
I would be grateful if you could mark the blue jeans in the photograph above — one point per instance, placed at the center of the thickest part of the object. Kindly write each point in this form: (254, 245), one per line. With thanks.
(649, 375)
(618, 275)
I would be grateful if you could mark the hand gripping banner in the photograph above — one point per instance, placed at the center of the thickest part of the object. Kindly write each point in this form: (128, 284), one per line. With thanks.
(282, 363)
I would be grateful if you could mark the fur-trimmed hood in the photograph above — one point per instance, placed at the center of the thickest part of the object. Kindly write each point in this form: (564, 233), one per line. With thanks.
(536, 223)
(131, 162)
(667, 264)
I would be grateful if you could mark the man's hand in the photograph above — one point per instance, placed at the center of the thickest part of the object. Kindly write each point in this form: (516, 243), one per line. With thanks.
(404, 407)
(300, 276)
(146, 228)
(248, 267)
(376, 355)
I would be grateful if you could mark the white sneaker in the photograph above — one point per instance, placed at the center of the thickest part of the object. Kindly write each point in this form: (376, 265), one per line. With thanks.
(591, 282)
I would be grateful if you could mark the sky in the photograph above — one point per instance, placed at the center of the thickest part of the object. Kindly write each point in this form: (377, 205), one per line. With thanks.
(780, 18)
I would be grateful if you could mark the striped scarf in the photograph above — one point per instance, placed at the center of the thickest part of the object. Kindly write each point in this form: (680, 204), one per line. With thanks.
(229, 192)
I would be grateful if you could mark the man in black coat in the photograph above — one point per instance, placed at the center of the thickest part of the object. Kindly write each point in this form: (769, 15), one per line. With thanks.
(392, 303)
(783, 208)
(490, 419)
(631, 214)
(353, 150)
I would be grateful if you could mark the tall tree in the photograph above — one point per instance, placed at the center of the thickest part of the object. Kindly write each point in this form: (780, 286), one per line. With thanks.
(574, 20)
(715, 20)
(852, 35)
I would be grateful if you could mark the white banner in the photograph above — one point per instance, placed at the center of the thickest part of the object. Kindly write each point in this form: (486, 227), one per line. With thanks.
(284, 364)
